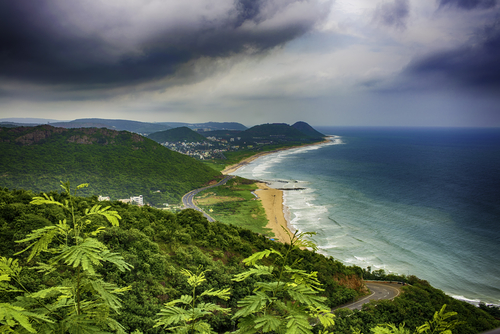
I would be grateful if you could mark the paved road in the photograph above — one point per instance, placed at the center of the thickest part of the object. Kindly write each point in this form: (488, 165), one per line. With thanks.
(379, 291)
(188, 199)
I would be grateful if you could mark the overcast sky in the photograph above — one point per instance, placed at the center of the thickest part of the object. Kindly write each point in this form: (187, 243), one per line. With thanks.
(339, 62)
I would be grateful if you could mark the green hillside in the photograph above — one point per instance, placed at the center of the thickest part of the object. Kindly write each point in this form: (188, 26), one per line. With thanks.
(113, 124)
(176, 135)
(274, 131)
(307, 130)
(116, 164)
(158, 245)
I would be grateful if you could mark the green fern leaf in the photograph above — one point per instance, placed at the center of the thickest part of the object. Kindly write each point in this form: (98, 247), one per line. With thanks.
(210, 307)
(306, 295)
(252, 303)
(81, 324)
(107, 293)
(268, 323)
(117, 260)
(87, 255)
(298, 324)
(83, 185)
(66, 292)
(252, 259)
(37, 200)
(172, 315)
(257, 271)
(44, 237)
(12, 316)
(222, 294)
(112, 216)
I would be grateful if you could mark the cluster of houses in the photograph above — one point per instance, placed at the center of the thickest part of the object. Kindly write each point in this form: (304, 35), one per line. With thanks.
(137, 200)
(204, 150)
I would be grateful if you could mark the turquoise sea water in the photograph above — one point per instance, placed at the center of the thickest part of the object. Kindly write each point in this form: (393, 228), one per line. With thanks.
(423, 202)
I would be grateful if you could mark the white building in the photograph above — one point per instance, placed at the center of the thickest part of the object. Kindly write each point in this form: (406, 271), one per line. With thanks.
(137, 199)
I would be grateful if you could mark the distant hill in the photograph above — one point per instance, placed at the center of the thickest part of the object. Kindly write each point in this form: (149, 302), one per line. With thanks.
(115, 124)
(208, 126)
(307, 130)
(177, 134)
(118, 164)
(269, 131)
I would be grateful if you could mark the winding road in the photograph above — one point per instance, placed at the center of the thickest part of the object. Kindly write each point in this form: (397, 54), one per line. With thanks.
(379, 291)
(188, 199)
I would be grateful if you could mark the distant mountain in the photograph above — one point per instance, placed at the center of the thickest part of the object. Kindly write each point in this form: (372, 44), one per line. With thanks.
(177, 134)
(271, 133)
(307, 130)
(208, 126)
(24, 120)
(115, 124)
(118, 164)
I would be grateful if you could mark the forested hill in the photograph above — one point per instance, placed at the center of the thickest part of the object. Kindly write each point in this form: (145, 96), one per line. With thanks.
(118, 164)
(161, 245)
(177, 134)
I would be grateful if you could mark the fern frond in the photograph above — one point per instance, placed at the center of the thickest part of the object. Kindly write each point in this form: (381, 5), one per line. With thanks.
(37, 200)
(117, 260)
(257, 271)
(9, 266)
(303, 277)
(87, 255)
(306, 295)
(222, 294)
(172, 315)
(108, 293)
(252, 259)
(251, 304)
(211, 307)
(44, 268)
(66, 292)
(81, 324)
(112, 216)
(298, 323)
(13, 315)
(83, 185)
(44, 237)
(268, 323)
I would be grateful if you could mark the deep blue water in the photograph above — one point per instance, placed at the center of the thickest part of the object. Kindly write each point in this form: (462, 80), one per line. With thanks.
(415, 201)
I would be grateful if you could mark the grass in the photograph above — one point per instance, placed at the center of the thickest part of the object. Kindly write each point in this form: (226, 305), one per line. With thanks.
(234, 203)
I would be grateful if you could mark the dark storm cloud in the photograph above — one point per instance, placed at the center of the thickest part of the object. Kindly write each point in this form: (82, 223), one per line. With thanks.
(393, 14)
(475, 65)
(97, 45)
(468, 4)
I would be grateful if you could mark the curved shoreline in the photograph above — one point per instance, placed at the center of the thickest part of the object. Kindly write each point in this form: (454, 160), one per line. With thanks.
(272, 199)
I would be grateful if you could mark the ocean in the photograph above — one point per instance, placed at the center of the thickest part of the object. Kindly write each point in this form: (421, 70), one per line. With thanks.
(414, 201)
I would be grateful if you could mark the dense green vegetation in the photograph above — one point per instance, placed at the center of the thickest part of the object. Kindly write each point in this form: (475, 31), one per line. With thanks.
(307, 129)
(271, 133)
(417, 304)
(116, 164)
(158, 247)
(177, 135)
(234, 203)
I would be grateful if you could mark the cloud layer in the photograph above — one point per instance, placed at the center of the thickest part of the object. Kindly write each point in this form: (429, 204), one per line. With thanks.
(112, 43)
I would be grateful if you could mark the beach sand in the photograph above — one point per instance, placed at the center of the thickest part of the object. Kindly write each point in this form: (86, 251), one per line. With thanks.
(272, 201)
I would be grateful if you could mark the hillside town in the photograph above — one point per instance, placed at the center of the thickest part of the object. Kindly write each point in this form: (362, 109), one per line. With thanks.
(213, 148)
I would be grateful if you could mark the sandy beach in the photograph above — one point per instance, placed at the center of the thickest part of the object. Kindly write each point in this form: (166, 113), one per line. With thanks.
(271, 199)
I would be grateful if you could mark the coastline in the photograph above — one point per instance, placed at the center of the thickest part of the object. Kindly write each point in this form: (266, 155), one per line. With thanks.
(272, 201)
(277, 214)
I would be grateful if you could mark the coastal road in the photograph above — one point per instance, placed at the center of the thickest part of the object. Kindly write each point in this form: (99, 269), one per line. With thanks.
(188, 199)
(379, 291)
